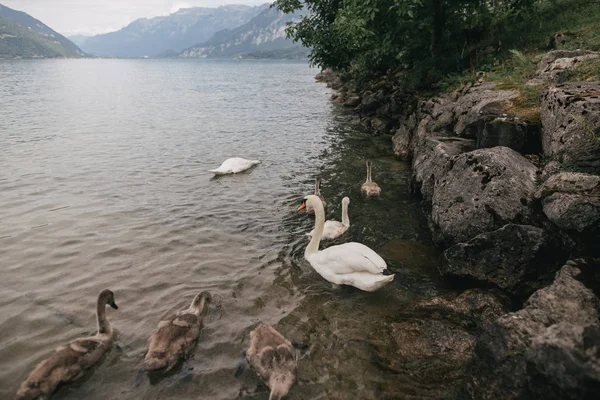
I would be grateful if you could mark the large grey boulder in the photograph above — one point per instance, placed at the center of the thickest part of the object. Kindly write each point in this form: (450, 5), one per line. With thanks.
(352, 101)
(477, 104)
(543, 350)
(572, 201)
(381, 125)
(465, 114)
(402, 139)
(516, 258)
(553, 66)
(484, 190)
(433, 159)
(570, 117)
(564, 362)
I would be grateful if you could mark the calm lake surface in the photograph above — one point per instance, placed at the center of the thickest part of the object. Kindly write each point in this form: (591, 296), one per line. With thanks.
(103, 184)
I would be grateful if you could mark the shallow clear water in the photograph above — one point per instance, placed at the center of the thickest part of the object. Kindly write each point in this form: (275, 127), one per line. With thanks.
(103, 184)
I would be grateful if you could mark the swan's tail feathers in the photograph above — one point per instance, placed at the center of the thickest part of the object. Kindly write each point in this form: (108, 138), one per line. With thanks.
(381, 282)
(367, 281)
(155, 361)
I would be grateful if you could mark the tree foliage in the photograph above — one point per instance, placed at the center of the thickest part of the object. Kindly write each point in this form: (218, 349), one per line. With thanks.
(424, 38)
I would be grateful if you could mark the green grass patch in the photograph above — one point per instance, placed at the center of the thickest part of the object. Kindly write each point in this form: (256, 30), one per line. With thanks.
(519, 48)
(514, 52)
(585, 71)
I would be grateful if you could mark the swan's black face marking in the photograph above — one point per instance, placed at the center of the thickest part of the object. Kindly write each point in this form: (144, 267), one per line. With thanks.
(109, 297)
(302, 205)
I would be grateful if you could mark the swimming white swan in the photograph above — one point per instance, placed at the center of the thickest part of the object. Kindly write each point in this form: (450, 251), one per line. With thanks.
(370, 187)
(334, 229)
(351, 263)
(317, 193)
(234, 165)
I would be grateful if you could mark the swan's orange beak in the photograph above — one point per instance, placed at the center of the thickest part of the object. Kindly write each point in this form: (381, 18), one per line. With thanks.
(302, 206)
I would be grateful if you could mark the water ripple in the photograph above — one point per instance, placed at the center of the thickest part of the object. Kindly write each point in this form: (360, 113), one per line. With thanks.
(104, 184)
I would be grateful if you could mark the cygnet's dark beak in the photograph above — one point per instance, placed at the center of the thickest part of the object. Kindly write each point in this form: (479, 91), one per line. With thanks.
(113, 305)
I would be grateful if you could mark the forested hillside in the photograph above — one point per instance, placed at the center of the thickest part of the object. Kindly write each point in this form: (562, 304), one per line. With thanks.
(21, 35)
(426, 41)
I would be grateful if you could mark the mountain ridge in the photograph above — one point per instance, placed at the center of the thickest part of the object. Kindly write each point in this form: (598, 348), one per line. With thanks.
(264, 34)
(173, 32)
(22, 35)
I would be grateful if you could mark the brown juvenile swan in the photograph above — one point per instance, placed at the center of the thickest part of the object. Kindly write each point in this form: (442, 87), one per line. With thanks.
(176, 336)
(273, 358)
(69, 362)
(370, 187)
(318, 184)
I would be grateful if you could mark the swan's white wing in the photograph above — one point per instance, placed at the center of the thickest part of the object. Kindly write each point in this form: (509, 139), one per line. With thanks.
(347, 258)
(234, 165)
(331, 230)
(365, 281)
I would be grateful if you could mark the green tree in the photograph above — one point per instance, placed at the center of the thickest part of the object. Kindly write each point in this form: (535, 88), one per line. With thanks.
(425, 38)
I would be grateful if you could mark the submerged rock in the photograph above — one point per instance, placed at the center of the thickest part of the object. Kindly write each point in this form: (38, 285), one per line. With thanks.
(545, 350)
(425, 339)
(571, 125)
(438, 336)
(474, 308)
(516, 258)
(484, 190)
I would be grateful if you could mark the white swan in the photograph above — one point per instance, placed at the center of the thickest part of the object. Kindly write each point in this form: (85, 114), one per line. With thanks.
(370, 187)
(351, 263)
(334, 229)
(317, 193)
(234, 165)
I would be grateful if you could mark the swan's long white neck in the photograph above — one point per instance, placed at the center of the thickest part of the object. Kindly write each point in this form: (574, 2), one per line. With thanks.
(103, 325)
(345, 219)
(313, 246)
(369, 166)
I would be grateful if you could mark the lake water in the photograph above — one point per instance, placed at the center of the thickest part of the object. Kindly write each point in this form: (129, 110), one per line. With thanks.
(103, 184)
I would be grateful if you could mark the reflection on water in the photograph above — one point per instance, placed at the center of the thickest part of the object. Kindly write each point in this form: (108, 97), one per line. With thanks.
(103, 184)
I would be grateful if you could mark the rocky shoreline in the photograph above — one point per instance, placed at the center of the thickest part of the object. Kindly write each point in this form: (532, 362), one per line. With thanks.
(513, 201)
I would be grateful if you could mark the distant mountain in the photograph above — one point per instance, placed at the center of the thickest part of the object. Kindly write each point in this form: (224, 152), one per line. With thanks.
(21, 35)
(172, 33)
(79, 40)
(263, 34)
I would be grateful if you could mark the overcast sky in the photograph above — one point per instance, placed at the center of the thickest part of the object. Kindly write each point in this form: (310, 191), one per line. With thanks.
(86, 17)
